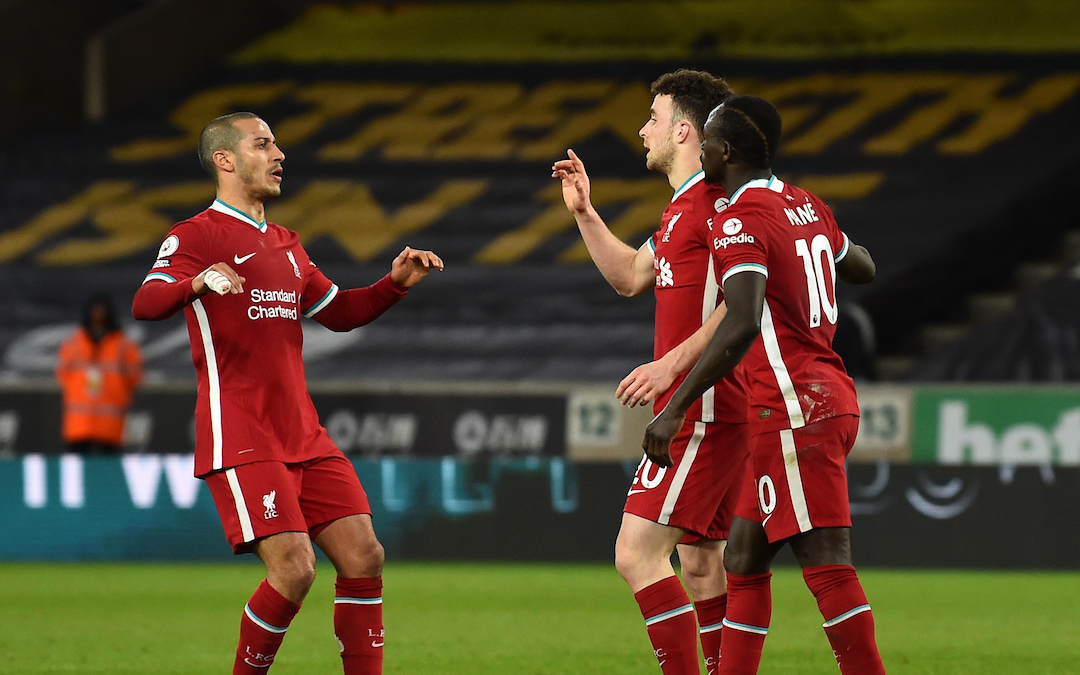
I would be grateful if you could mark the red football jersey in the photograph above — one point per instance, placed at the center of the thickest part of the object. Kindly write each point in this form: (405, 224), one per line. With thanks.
(790, 236)
(687, 292)
(253, 403)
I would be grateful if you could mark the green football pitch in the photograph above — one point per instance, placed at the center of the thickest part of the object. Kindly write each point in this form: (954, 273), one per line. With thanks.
(457, 619)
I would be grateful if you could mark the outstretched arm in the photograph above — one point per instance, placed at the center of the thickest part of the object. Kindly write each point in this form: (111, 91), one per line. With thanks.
(357, 307)
(650, 380)
(630, 272)
(744, 294)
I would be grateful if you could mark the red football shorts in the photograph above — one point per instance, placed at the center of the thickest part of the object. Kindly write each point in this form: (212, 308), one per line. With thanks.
(700, 491)
(263, 498)
(799, 481)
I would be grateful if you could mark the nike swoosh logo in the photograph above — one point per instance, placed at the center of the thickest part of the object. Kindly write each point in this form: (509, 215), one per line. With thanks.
(240, 261)
(256, 665)
(376, 644)
(634, 492)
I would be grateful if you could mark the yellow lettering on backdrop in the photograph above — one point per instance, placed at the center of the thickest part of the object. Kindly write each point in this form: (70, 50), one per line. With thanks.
(623, 114)
(333, 100)
(492, 136)
(349, 213)
(996, 117)
(194, 114)
(871, 94)
(646, 197)
(60, 217)
(130, 224)
(485, 121)
(410, 133)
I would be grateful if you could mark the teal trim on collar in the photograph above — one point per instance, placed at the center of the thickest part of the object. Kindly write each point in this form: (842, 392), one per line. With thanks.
(688, 183)
(757, 183)
(243, 216)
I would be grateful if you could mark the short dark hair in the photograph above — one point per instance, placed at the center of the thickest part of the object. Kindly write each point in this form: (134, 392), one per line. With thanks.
(104, 301)
(220, 134)
(752, 126)
(694, 94)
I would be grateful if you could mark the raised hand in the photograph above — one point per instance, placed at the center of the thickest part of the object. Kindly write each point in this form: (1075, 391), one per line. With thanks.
(576, 189)
(412, 265)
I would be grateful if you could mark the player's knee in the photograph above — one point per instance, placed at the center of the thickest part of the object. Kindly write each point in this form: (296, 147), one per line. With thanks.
(695, 570)
(293, 574)
(374, 560)
(628, 559)
(738, 562)
(301, 571)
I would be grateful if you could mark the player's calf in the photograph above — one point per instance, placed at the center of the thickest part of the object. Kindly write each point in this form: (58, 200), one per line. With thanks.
(849, 623)
(358, 624)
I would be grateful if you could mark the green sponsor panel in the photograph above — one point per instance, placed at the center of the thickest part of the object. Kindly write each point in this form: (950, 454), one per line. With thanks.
(997, 425)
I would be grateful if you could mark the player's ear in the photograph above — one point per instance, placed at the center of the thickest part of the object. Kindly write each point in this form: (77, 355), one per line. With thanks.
(224, 160)
(682, 131)
(727, 151)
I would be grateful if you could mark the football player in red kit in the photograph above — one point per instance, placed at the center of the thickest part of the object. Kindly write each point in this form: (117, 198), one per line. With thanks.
(778, 252)
(685, 504)
(277, 479)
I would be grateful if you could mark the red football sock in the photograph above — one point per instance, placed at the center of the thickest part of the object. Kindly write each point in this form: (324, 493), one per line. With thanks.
(710, 617)
(267, 616)
(849, 623)
(669, 618)
(746, 623)
(358, 624)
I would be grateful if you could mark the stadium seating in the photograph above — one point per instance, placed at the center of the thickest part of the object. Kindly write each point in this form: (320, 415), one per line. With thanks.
(910, 155)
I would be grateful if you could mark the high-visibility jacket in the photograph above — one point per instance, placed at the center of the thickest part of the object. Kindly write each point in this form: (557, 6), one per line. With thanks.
(97, 382)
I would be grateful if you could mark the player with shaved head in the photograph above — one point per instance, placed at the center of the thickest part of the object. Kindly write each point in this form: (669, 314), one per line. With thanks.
(279, 482)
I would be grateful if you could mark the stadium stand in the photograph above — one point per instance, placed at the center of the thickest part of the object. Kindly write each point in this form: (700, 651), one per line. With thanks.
(948, 171)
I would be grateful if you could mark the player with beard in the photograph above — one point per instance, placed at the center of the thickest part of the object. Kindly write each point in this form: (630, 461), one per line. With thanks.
(778, 252)
(279, 482)
(685, 502)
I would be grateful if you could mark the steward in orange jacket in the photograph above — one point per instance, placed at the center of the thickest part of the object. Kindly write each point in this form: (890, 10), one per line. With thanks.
(99, 369)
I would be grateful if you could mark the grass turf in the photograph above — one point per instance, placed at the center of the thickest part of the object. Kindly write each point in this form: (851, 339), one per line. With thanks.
(459, 619)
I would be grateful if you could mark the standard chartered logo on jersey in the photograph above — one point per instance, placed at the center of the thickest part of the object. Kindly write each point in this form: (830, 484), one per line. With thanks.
(266, 310)
(997, 426)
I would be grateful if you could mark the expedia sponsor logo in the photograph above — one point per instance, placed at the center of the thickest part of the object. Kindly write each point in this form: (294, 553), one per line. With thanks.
(741, 238)
(161, 263)
(732, 226)
(278, 311)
